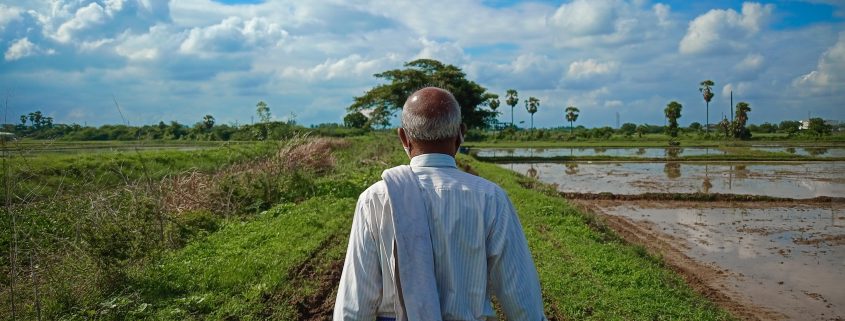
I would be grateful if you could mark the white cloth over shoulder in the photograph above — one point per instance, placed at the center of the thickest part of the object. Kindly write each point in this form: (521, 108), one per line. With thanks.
(413, 254)
(479, 249)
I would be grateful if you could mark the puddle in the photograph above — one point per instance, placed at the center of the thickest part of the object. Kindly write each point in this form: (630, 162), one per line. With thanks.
(591, 151)
(790, 259)
(787, 180)
(805, 151)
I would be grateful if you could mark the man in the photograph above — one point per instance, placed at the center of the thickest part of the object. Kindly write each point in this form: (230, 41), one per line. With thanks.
(430, 242)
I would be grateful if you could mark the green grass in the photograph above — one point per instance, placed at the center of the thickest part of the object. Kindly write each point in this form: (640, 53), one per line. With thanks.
(283, 263)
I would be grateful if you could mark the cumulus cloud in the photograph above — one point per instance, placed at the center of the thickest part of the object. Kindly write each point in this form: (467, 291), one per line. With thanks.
(590, 67)
(583, 17)
(233, 34)
(723, 30)
(348, 67)
(23, 48)
(85, 17)
(8, 14)
(829, 72)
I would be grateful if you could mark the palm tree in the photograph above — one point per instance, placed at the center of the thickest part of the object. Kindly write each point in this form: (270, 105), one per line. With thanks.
(494, 104)
(208, 121)
(571, 116)
(531, 105)
(673, 112)
(741, 118)
(512, 100)
(706, 91)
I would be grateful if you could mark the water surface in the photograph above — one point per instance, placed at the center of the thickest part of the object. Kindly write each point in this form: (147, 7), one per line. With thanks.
(788, 180)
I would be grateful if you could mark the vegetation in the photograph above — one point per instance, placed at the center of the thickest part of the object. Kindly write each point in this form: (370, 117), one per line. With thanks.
(571, 116)
(741, 118)
(385, 99)
(512, 100)
(531, 106)
(705, 87)
(673, 112)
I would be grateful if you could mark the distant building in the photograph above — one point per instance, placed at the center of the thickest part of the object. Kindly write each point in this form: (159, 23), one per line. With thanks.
(6, 136)
(805, 124)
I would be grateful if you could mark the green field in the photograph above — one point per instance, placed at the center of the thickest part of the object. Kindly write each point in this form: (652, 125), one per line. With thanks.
(118, 249)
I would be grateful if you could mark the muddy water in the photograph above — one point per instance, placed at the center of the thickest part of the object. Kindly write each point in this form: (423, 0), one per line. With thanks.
(617, 152)
(789, 259)
(789, 180)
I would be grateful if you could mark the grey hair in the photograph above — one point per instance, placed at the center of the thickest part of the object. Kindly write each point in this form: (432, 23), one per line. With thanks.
(443, 126)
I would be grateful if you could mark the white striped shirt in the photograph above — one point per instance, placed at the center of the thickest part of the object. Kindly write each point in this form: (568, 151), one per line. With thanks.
(479, 250)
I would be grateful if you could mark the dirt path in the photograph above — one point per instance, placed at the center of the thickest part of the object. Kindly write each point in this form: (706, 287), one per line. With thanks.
(709, 281)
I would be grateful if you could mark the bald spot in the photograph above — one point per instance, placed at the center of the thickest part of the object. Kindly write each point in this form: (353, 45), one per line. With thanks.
(430, 103)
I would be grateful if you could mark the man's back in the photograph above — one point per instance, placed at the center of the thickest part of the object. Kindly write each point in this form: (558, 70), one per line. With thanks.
(478, 244)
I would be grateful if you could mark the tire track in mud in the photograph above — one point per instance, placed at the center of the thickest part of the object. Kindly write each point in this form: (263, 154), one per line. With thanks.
(320, 272)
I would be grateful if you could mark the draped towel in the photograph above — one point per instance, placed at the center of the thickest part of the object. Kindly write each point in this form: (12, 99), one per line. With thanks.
(413, 257)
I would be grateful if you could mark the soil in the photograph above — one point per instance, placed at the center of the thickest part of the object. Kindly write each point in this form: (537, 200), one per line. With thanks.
(709, 281)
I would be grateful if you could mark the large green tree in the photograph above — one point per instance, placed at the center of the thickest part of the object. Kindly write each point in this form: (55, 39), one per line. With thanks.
(706, 89)
(531, 106)
(386, 99)
(818, 127)
(494, 103)
(512, 99)
(263, 111)
(673, 112)
(571, 116)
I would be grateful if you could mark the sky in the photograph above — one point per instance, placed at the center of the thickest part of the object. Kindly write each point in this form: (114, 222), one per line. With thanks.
(182, 59)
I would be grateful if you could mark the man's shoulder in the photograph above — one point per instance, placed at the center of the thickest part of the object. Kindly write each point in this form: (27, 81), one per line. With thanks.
(378, 189)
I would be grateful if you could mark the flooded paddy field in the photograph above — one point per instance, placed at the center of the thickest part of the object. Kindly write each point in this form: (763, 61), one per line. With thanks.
(760, 260)
(646, 152)
(789, 260)
(805, 151)
(785, 180)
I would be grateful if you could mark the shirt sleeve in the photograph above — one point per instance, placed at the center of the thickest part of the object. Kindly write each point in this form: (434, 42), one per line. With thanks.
(512, 275)
(359, 292)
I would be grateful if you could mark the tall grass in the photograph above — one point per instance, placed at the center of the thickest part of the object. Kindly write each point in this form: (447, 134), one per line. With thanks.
(82, 222)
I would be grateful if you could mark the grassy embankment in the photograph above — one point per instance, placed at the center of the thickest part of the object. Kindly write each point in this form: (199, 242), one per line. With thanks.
(285, 263)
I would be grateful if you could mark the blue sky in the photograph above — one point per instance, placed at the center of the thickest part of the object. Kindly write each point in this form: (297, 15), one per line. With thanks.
(182, 59)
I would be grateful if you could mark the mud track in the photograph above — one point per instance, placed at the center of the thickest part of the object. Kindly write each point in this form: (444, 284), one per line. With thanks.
(707, 280)
(319, 272)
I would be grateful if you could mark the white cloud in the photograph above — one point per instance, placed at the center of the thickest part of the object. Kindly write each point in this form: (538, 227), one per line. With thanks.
(446, 52)
(20, 49)
(85, 17)
(8, 14)
(590, 67)
(721, 30)
(583, 17)
(233, 34)
(348, 67)
(751, 62)
(830, 71)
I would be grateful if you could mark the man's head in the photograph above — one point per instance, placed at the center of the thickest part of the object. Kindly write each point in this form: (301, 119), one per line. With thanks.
(431, 122)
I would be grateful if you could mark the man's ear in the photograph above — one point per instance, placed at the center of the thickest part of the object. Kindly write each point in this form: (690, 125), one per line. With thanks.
(403, 137)
(463, 129)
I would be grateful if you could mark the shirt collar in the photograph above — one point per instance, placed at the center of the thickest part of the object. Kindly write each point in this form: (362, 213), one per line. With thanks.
(433, 160)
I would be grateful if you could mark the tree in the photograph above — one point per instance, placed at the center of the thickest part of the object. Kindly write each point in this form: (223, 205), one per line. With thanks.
(818, 127)
(23, 121)
(695, 126)
(571, 116)
(386, 99)
(641, 129)
(512, 100)
(263, 111)
(355, 120)
(789, 126)
(673, 112)
(208, 122)
(531, 106)
(725, 125)
(741, 118)
(706, 91)
(628, 129)
(493, 103)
